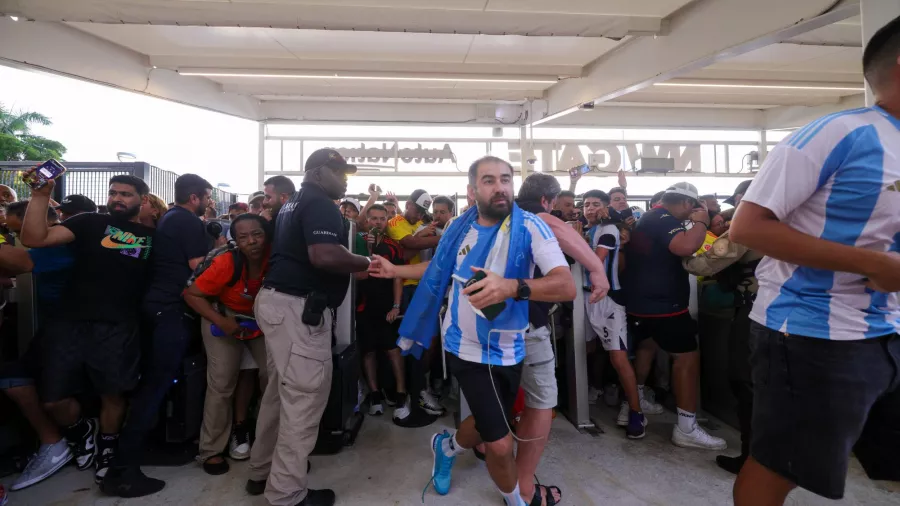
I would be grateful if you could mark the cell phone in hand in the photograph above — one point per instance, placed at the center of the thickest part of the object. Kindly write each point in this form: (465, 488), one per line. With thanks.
(49, 170)
(489, 312)
(580, 170)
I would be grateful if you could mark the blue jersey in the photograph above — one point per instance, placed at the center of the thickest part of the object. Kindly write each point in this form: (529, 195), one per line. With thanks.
(838, 179)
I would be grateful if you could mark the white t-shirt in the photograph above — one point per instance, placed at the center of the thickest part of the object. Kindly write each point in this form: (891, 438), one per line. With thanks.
(838, 179)
(426, 254)
(468, 335)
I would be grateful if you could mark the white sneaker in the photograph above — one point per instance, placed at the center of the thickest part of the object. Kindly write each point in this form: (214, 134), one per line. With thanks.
(698, 438)
(649, 406)
(429, 404)
(622, 419)
(402, 410)
(593, 395)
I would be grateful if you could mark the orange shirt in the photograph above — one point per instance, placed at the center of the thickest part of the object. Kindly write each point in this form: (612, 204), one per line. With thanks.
(238, 298)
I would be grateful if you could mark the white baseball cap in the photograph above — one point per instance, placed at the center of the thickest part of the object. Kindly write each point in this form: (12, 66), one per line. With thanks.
(353, 201)
(686, 189)
(422, 199)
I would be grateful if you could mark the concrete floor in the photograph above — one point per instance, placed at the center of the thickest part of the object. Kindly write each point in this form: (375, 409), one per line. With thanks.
(390, 466)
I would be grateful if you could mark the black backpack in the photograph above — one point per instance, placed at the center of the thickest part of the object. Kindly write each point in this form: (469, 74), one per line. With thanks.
(229, 249)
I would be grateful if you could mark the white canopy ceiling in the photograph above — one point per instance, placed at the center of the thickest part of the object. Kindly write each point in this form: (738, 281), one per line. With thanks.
(528, 60)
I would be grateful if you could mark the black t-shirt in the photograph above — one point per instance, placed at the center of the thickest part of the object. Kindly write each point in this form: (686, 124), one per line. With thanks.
(310, 217)
(655, 282)
(109, 275)
(376, 295)
(537, 311)
(180, 237)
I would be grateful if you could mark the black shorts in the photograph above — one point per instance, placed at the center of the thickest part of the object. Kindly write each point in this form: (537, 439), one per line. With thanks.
(674, 334)
(491, 414)
(812, 398)
(374, 333)
(89, 356)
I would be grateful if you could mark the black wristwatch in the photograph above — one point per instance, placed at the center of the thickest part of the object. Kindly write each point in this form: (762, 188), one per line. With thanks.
(524, 291)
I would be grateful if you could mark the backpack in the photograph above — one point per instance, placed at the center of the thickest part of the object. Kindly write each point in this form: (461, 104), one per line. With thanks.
(237, 260)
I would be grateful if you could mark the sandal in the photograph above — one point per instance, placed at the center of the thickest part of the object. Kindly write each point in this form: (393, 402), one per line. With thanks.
(537, 500)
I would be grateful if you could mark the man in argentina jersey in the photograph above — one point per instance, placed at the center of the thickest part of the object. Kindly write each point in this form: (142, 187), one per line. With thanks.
(824, 209)
(607, 316)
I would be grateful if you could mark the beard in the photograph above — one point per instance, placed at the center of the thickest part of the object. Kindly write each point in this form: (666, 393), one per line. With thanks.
(494, 207)
(124, 214)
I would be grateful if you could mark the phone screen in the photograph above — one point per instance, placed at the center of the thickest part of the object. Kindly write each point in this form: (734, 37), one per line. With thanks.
(51, 169)
(581, 169)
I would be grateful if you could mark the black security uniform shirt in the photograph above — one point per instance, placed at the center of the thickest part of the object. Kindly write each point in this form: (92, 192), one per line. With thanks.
(109, 275)
(310, 217)
(180, 236)
(655, 282)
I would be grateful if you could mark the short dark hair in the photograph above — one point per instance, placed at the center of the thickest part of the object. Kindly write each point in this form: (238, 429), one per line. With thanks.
(236, 205)
(881, 53)
(618, 189)
(566, 193)
(282, 184)
(139, 185)
(473, 169)
(656, 197)
(376, 207)
(713, 214)
(190, 184)
(539, 186)
(17, 209)
(232, 229)
(440, 199)
(596, 194)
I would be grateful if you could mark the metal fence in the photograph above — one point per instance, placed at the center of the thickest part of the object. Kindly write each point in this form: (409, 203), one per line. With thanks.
(92, 181)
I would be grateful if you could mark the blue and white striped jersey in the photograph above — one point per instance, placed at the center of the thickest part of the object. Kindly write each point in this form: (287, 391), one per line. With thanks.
(838, 179)
(468, 335)
(606, 236)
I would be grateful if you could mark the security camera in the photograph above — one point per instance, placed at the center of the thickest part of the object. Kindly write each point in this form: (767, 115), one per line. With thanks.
(532, 160)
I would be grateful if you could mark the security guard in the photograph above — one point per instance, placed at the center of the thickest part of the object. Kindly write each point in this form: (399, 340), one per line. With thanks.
(308, 275)
(733, 265)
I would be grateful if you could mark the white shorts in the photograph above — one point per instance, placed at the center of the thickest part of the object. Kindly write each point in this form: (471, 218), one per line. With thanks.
(539, 370)
(608, 321)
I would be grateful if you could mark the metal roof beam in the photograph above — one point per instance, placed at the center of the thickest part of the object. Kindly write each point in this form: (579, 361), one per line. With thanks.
(700, 34)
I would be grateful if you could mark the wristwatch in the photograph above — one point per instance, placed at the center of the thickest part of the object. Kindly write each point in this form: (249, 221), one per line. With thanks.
(524, 291)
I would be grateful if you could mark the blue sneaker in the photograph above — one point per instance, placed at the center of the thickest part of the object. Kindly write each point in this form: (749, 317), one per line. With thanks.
(443, 464)
(636, 423)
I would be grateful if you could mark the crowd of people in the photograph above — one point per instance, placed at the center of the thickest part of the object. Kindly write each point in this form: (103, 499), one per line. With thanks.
(809, 260)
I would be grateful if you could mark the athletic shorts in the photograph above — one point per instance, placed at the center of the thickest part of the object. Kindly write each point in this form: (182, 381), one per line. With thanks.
(812, 398)
(89, 356)
(674, 334)
(608, 321)
(539, 370)
(374, 333)
(490, 392)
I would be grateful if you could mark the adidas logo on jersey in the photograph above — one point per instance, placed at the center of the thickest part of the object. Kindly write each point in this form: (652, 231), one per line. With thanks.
(465, 250)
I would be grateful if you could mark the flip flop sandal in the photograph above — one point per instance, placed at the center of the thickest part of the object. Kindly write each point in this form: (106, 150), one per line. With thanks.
(548, 493)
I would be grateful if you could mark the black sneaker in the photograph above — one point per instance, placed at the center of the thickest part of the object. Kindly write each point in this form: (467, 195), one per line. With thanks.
(216, 468)
(103, 461)
(129, 482)
(239, 443)
(318, 498)
(85, 446)
(731, 464)
(391, 398)
(375, 401)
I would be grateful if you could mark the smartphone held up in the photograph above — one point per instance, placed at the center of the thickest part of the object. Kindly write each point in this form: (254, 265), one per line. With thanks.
(41, 175)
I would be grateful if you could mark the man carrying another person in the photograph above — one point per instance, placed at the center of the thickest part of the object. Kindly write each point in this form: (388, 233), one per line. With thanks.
(657, 291)
(484, 341)
(95, 339)
(180, 244)
(607, 317)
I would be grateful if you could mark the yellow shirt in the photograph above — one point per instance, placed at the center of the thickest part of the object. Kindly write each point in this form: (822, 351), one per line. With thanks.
(397, 229)
(707, 243)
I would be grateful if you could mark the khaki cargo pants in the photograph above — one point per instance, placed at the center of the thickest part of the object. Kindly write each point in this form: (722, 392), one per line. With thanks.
(299, 365)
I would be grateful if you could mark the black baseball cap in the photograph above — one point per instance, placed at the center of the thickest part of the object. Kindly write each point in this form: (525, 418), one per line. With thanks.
(77, 204)
(740, 190)
(327, 157)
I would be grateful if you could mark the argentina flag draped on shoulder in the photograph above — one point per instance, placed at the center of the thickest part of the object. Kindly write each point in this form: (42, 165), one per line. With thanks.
(509, 258)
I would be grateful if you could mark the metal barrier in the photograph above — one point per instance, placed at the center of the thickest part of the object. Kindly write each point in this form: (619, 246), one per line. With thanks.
(91, 179)
(578, 409)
